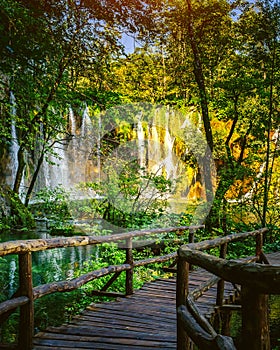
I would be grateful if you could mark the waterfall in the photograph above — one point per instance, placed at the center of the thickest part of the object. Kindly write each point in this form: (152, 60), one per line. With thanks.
(12, 272)
(78, 158)
(56, 169)
(141, 144)
(169, 161)
(160, 155)
(14, 148)
(154, 151)
(14, 144)
(70, 162)
(86, 127)
(99, 151)
(72, 122)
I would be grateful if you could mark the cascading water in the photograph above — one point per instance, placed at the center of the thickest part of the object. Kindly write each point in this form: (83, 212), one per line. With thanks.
(141, 144)
(14, 148)
(72, 122)
(13, 153)
(67, 166)
(79, 158)
(12, 273)
(86, 128)
(99, 151)
(168, 161)
(154, 150)
(153, 154)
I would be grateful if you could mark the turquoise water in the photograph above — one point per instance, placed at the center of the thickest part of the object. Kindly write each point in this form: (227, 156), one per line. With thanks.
(47, 266)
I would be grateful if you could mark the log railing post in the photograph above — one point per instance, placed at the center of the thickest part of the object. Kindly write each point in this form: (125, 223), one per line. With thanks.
(129, 273)
(191, 240)
(181, 297)
(259, 245)
(220, 317)
(221, 283)
(191, 235)
(255, 322)
(26, 327)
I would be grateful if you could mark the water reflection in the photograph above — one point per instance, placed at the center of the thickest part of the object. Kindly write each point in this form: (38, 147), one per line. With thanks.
(47, 266)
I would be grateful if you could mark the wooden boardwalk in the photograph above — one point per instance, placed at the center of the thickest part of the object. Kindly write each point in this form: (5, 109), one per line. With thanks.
(145, 320)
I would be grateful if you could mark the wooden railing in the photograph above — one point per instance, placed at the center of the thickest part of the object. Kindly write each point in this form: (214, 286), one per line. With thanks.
(27, 294)
(256, 281)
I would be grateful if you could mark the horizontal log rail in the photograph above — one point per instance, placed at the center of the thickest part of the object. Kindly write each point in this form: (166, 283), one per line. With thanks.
(27, 294)
(257, 280)
(202, 338)
(11, 304)
(237, 272)
(68, 286)
(36, 245)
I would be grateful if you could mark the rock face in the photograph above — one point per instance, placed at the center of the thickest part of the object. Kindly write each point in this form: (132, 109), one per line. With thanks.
(13, 214)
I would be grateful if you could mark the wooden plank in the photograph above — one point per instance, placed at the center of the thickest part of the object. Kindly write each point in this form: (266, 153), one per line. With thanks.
(142, 321)
(119, 324)
(131, 316)
(141, 309)
(112, 338)
(98, 333)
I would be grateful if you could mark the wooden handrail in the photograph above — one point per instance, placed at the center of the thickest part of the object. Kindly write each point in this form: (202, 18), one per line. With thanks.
(234, 237)
(256, 280)
(201, 337)
(236, 272)
(68, 286)
(11, 304)
(36, 245)
(27, 294)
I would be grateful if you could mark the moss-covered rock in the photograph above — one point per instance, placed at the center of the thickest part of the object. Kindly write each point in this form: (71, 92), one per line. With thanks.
(13, 213)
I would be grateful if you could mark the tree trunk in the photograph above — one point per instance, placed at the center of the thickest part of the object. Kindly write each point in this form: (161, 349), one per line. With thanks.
(20, 169)
(199, 77)
(34, 178)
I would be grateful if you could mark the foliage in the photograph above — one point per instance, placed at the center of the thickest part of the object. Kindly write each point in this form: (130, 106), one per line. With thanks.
(4, 287)
(53, 205)
(130, 196)
(14, 215)
(71, 62)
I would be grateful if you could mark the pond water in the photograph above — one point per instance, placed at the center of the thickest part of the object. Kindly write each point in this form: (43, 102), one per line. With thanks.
(47, 266)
